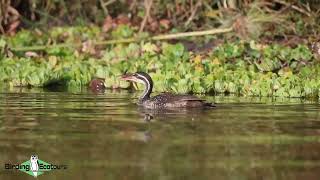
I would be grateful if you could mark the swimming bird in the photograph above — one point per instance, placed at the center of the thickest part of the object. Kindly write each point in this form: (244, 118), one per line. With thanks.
(164, 100)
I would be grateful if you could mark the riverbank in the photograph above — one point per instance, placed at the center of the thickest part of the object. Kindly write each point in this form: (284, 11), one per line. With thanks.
(213, 66)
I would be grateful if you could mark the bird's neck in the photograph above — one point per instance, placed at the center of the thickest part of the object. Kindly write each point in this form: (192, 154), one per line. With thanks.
(147, 91)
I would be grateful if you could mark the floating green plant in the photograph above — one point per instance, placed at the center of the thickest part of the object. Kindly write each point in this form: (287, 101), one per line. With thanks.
(241, 68)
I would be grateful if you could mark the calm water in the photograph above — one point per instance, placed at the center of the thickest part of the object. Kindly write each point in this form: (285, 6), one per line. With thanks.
(106, 136)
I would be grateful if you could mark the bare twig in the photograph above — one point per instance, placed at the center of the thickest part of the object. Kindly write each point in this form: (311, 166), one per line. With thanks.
(193, 13)
(109, 2)
(147, 5)
(130, 40)
(293, 7)
(105, 10)
(105, 4)
(194, 33)
(1, 29)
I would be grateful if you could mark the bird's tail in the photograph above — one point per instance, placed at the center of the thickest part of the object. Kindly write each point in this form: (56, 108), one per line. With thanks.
(209, 105)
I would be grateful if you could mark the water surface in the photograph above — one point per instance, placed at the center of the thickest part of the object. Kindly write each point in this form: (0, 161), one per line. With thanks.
(105, 136)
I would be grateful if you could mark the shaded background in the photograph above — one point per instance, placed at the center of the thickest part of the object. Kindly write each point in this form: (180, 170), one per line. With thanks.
(151, 15)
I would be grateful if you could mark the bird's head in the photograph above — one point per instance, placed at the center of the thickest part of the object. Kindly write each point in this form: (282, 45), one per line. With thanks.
(138, 77)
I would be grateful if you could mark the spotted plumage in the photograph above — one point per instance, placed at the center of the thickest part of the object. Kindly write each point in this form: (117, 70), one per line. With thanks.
(164, 100)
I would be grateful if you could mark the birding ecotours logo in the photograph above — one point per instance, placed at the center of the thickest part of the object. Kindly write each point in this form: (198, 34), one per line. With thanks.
(34, 164)
(35, 167)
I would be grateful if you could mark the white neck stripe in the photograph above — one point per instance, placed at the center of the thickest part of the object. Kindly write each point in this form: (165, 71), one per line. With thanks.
(145, 92)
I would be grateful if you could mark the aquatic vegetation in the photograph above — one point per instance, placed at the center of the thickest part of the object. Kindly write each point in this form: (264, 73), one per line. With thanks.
(239, 67)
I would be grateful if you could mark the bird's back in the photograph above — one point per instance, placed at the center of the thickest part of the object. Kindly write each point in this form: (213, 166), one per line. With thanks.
(168, 100)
